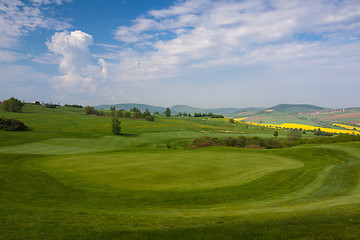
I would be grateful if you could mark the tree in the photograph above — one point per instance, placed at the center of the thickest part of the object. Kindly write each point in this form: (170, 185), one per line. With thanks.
(137, 114)
(156, 113)
(167, 112)
(112, 111)
(90, 110)
(13, 105)
(276, 133)
(294, 135)
(119, 114)
(146, 113)
(116, 126)
(231, 120)
(127, 114)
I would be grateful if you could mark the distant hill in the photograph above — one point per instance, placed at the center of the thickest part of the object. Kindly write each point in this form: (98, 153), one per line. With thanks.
(249, 109)
(295, 108)
(177, 108)
(192, 110)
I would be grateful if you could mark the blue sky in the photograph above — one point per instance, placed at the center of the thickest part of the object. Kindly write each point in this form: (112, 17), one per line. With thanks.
(203, 53)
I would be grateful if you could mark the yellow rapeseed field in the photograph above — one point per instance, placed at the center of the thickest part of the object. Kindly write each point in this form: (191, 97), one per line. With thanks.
(306, 127)
(347, 126)
(240, 119)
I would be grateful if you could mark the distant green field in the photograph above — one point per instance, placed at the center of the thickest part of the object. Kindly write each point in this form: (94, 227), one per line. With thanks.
(68, 177)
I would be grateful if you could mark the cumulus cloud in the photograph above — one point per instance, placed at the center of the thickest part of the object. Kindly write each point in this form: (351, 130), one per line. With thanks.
(79, 72)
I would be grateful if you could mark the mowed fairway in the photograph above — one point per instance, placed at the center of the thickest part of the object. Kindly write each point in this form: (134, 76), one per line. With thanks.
(186, 170)
(134, 187)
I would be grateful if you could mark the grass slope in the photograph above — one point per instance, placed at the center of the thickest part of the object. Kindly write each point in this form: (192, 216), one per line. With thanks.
(69, 178)
(295, 108)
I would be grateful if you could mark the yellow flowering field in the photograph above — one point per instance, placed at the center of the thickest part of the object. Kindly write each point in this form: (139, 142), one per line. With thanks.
(306, 127)
(347, 126)
(240, 119)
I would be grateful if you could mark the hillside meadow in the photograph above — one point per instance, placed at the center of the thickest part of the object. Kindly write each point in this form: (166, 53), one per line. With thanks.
(69, 177)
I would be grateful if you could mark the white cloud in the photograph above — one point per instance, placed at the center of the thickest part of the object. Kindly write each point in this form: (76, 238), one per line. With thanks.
(80, 74)
(58, 2)
(18, 18)
(8, 56)
(207, 33)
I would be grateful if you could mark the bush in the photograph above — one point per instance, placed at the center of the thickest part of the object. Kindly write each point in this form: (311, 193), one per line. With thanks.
(12, 124)
(294, 135)
(49, 105)
(91, 110)
(149, 118)
(243, 142)
(203, 142)
(73, 105)
(327, 140)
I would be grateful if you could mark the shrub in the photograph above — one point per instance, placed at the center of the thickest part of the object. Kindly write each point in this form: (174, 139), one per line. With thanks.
(243, 142)
(12, 124)
(49, 105)
(203, 142)
(91, 110)
(294, 135)
(73, 105)
(149, 118)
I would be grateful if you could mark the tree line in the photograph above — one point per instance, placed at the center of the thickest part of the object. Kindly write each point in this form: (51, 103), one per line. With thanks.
(132, 113)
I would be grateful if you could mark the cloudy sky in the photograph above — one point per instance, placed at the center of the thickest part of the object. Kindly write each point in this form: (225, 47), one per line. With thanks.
(203, 53)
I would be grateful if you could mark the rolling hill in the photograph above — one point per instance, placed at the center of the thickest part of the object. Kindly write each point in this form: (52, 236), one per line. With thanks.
(295, 108)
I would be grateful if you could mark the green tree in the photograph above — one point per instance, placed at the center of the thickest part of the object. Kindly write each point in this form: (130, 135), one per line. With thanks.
(294, 135)
(91, 110)
(112, 111)
(231, 120)
(156, 113)
(276, 133)
(13, 105)
(127, 114)
(137, 115)
(167, 112)
(146, 113)
(116, 126)
(119, 114)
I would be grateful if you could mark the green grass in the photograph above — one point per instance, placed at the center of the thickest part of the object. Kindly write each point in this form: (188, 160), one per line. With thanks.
(70, 178)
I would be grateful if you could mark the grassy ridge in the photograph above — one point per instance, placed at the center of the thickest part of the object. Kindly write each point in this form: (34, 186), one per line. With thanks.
(58, 181)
